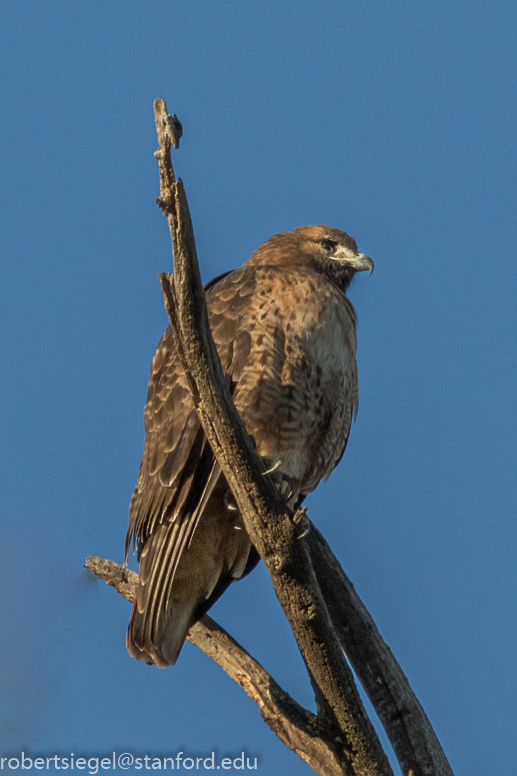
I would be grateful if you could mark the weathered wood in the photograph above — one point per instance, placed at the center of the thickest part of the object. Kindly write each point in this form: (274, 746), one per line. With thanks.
(268, 522)
(411, 734)
(298, 728)
(321, 604)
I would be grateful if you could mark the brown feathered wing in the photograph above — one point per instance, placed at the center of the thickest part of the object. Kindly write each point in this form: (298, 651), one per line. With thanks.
(179, 480)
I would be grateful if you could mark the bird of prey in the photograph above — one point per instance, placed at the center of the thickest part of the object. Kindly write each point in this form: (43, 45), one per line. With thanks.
(285, 333)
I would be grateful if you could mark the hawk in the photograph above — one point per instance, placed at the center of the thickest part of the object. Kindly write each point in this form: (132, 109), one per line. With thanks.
(285, 333)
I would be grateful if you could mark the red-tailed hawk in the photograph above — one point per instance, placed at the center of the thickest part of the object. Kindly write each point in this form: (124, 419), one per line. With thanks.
(286, 336)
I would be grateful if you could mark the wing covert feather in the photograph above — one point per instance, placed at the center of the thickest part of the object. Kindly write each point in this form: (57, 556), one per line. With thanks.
(175, 445)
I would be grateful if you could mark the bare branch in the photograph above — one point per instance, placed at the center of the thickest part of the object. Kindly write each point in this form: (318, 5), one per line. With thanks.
(413, 739)
(268, 522)
(298, 728)
(323, 609)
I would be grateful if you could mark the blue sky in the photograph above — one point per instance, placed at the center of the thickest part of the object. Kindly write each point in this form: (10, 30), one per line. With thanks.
(394, 121)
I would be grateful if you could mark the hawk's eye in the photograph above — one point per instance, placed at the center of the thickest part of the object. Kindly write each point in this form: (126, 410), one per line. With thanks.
(329, 245)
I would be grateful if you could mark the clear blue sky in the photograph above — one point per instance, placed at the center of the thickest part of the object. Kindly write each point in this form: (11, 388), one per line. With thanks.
(394, 121)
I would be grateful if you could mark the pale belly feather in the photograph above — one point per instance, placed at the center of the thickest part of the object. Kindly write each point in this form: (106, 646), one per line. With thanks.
(298, 391)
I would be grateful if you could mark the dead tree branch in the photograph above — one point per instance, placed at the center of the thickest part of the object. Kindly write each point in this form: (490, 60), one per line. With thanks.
(269, 523)
(320, 603)
(406, 724)
(298, 728)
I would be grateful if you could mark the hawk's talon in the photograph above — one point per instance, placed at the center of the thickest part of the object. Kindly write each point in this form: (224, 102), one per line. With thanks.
(287, 490)
(284, 483)
(300, 518)
(229, 502)
(300, 515)
(274, 468)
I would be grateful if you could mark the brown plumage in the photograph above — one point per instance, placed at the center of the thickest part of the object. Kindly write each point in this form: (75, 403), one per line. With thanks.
(286, 336)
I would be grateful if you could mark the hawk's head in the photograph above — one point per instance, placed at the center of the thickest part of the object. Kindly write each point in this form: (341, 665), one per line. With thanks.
(329, 251)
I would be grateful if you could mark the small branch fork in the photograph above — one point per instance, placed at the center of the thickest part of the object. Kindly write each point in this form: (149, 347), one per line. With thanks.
(298, 728)
(320, 603)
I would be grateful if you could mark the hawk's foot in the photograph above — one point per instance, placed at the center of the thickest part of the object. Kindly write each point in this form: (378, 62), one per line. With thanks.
(284, 484)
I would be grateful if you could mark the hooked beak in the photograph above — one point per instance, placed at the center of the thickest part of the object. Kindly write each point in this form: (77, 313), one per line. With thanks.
(360, 262)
